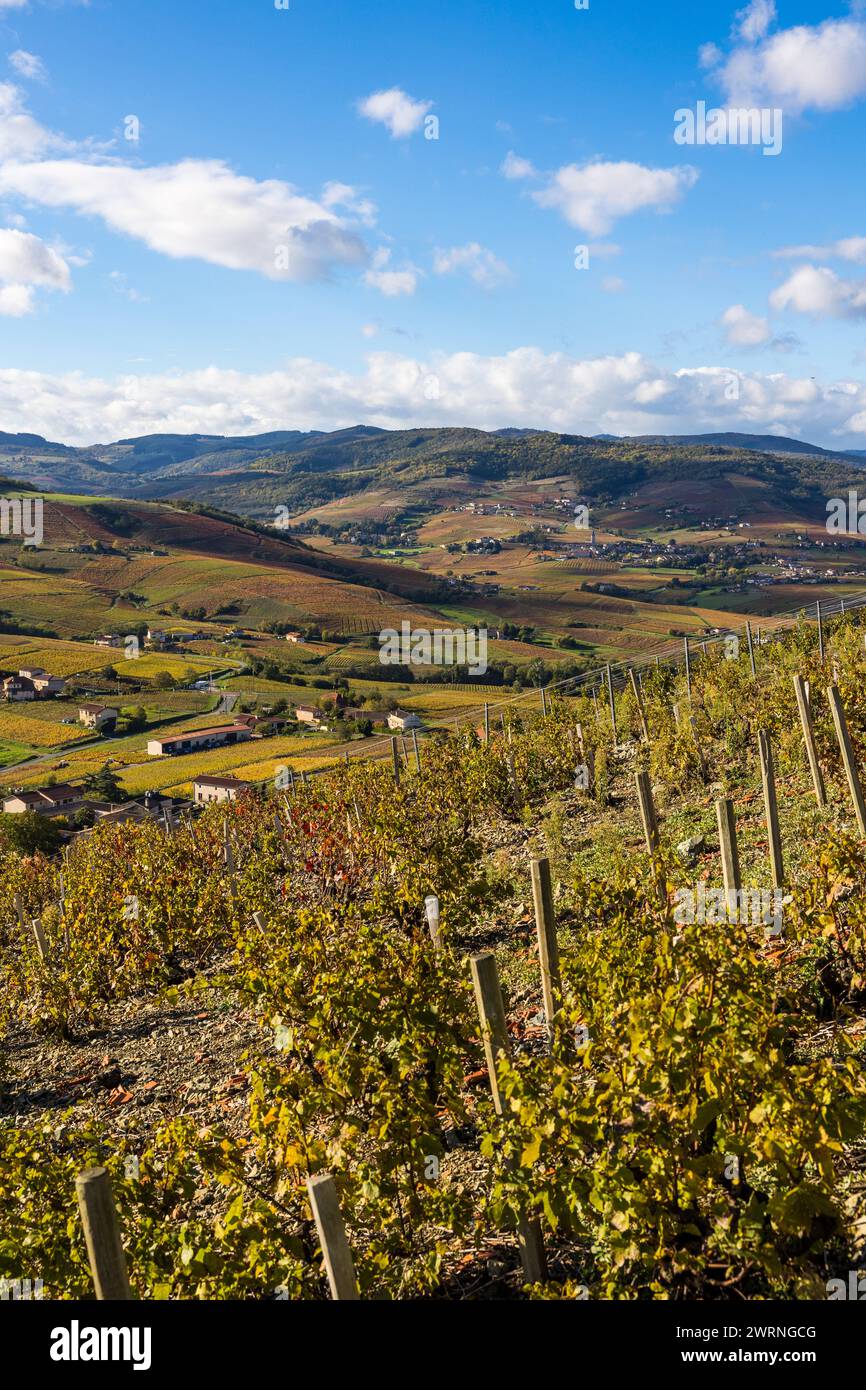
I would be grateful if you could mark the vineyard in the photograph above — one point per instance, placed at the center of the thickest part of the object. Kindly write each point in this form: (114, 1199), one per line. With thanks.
(573, 1007)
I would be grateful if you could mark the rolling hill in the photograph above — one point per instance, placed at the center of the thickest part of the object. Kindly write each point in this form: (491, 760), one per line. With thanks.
(254, 475)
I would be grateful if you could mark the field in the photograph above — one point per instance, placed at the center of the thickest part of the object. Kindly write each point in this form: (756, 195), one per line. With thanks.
(166, 567)
(39, 733)
(208, 567)
(685, 1105)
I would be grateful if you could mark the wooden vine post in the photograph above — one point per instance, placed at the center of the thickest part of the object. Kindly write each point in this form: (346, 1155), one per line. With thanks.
(809, 740)
(638, 695)
(581, 741)
(612, 704)
(395, 758)
(727, 825)
(431, 911)
(548, 949)
(102, 1234)
(688, 668)
(41, 942)
(771, 808)
(751, 648)
(339, 1265)
(820, 631)
(847, 751)
(417, 750)
(486, 724)
(648, 816)
(491, 1012)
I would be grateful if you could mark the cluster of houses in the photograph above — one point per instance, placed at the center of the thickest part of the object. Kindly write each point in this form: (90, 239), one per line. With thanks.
(249, 726)
(32, 683)
(64, 799)
(399, 720)
(155, 637)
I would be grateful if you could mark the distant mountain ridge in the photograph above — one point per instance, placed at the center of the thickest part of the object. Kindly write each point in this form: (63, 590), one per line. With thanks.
(250, 475)
(767, 443)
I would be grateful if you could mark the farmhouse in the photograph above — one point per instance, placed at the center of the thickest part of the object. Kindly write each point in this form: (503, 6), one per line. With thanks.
(97, 716)
(196, 740)
(109, 639)
(207, 789)
(293, 637)
(19, 688)
(308, 714)
(42, 682)
(45, 801)
(403, 719)
(32, 683)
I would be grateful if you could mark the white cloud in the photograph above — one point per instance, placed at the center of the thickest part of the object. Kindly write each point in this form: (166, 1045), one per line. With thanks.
(26, 263)
(194, 209)
(21, 135)
(198, 209)
(16, 301)
(593, 196)
(627, 394)
(389, 282)
(819, 67)
(477, 261)
(613, 284)
(514, 166)
(820, 292)
(342, 195)
(744, 329)
(852, 248)
(28, 65)
(709, 55)
(753, 22)
(394, 108)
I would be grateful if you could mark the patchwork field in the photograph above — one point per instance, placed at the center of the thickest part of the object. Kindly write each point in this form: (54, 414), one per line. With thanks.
(39, 733)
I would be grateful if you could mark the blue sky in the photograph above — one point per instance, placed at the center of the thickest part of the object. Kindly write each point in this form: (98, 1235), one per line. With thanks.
(147, 284)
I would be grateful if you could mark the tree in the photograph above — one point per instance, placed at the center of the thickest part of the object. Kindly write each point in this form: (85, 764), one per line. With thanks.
(135, 720)
(29, 833)
(104, 785)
